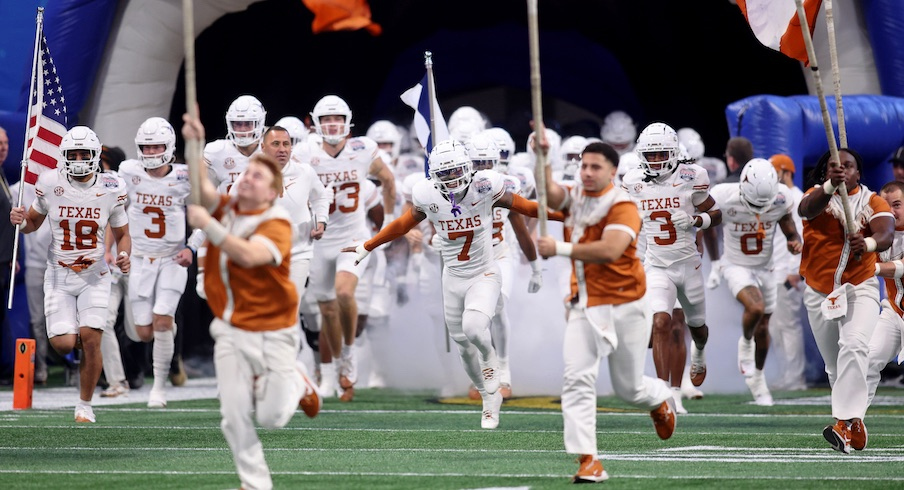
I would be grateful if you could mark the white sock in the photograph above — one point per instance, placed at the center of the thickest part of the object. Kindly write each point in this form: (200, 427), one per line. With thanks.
(164, 345)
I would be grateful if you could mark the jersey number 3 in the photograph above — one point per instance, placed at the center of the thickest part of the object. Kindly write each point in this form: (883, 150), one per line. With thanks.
(159, 221)
(668, 227)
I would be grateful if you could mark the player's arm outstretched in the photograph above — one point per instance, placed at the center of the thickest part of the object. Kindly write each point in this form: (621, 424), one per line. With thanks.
(522, 206)
(396, 229)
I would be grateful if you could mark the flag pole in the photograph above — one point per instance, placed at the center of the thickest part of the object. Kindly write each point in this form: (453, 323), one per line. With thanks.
(192, 145)
(428, 63)
(537, 104)
(836, 75)
(39, 28)
(826, 120)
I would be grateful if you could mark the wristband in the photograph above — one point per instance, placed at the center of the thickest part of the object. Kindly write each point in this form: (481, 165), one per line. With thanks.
(899, 269)
(870, 244)
(535, 265)
(705, 221)
(216, 232)
(828, 188)
(564, 249)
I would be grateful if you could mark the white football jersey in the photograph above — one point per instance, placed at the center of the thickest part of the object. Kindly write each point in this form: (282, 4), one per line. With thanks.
(684, 189)
(225, 163)
(156, 209)
(78, 215)
(464, 241)
(345, 174)
(743, 244)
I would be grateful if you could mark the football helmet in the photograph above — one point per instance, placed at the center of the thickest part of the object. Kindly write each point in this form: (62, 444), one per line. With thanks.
(467, 114)
(450, 167)
(619, 131)
(626, 163)
(504, 143)
(332, 105)
(660, 142)
(156, 131)
(759, 185)
(555, 142)
(81, 138)
(692, 142)
(483, 152)
(246, 109)
(297, 130)
(570, 155)
(386, 132)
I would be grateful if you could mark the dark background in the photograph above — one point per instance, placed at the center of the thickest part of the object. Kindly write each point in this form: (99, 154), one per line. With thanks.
(680, 62)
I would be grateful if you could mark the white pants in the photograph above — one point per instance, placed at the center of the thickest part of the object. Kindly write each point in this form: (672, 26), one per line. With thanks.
(786, 332)
(256, 372)
(844, 345)
(34, 293)
(157, 287)
(682, 281)
(585, 346)
(739, 277)
(885, 344)
(76, 299)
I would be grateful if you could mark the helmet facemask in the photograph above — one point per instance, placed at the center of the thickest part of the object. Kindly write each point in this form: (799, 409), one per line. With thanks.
(156, 131)
(245, 121)
(80, 138)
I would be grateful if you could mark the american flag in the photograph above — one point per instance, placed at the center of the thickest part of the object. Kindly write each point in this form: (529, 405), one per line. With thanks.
(47, 125)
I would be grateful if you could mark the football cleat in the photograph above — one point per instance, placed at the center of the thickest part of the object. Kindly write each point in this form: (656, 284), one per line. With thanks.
(859, 435)
(698, 366)
(664, 418)
(157, 399)
(839, 436)
(492, 403)
(310, 402)
(590, 470)
(85, 414)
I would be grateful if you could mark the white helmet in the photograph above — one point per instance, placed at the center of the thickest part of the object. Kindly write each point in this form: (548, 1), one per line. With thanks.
(467, 114)
(246, 108)
(81, 138)
(759, 185)
(450, 167)
(555, 142)
(504, 143)
(619, 131)
(570, 155)
(522, 159)
(464, 130)
(332, 105)
(386, 132)
(692, 142)
(297, 130)
(658, 138)
(156, 131)
(483, 152)
(626, 163)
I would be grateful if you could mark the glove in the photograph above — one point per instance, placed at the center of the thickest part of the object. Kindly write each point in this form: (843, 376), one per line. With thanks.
(536, 278)
(682, 220)
(361, 252)
(715, 275)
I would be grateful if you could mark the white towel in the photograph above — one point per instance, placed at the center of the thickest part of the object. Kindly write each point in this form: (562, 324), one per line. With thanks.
(149, 267)
(835, 305)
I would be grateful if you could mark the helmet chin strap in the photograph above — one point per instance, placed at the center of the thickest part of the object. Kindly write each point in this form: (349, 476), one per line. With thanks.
(456, 209)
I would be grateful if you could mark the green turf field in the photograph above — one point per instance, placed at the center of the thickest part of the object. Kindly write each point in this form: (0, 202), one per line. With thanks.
(393, 440)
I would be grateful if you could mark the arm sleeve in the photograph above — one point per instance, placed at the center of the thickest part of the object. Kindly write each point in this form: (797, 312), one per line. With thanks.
(393, 230)
(529, 208)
